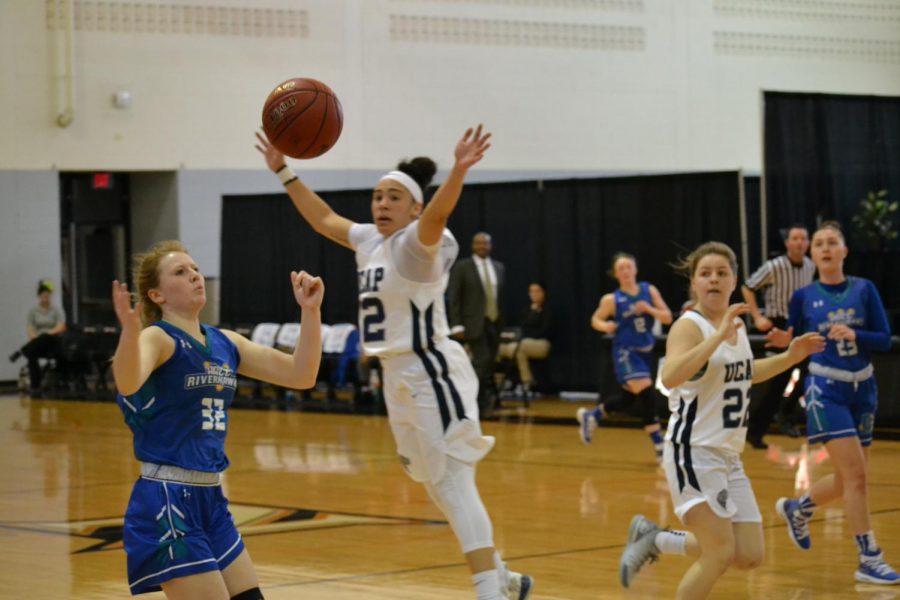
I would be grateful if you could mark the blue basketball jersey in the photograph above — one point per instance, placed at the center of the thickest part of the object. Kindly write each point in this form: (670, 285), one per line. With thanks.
(180, 415)
(854, 303)
(633, 330)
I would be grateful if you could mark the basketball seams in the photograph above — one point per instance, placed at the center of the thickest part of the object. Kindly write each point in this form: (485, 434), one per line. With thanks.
(286, 123)
(305, 132)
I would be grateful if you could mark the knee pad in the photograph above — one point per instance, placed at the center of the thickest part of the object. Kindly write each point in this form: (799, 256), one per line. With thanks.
(647, 398)
(251, 594)
(457, 497)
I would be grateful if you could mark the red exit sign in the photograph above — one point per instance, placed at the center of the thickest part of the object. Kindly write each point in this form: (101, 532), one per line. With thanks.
(102, 181)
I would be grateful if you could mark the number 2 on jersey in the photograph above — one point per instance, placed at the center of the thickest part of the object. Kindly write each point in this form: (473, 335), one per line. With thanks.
(731, 412)
(373, 319)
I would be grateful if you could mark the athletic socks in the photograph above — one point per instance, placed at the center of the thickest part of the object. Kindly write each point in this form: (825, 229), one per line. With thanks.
(487, 585)
(867, 545)
(806, 505)
(671, 542)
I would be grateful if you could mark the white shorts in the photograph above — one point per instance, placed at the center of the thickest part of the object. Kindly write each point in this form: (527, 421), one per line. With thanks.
(713, 476)
(433, 409)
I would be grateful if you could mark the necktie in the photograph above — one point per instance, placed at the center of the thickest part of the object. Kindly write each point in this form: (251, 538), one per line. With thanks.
(490, 305)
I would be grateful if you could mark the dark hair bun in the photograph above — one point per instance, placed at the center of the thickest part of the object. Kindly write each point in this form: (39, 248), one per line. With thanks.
(44, 286)
(421, 169)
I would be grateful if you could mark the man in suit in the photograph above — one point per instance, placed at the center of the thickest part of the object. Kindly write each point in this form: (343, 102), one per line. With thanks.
(475, 311)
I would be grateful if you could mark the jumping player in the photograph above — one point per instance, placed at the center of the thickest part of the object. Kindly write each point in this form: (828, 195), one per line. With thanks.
(403, 261)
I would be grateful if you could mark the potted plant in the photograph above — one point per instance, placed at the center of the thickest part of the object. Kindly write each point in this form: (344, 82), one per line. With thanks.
(875, 219)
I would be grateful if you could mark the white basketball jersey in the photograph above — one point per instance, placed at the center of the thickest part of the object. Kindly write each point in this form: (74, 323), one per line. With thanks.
(397, 315)
(711, 409)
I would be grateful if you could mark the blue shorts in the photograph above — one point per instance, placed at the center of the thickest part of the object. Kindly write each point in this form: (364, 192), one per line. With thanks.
(631, 363)
(173, 530)
(838, 409)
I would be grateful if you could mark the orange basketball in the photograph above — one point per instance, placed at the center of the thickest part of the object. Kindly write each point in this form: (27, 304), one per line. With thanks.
(303, 118)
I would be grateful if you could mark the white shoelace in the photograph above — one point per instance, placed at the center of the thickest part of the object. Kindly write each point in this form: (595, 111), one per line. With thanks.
(877, 564)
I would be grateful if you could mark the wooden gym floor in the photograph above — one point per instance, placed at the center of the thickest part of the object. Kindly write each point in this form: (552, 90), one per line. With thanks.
(327, 512)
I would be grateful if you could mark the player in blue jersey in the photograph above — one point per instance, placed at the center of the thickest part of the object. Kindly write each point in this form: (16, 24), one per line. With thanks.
(176, 378)
(628, 313)
(841, 394)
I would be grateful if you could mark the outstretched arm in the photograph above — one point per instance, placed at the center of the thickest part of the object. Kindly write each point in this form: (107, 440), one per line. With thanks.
(800, 347)
(315, 210)
(297, 371)
(469, 150)
(140, 351)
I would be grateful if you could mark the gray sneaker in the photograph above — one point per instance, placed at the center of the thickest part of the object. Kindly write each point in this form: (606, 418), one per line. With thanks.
(640, 548)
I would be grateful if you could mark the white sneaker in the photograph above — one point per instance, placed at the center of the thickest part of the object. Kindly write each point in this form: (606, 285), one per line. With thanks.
(587, 423)
(519, 586)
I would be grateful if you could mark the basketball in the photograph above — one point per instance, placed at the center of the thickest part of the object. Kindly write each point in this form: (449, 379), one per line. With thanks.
(303, 118)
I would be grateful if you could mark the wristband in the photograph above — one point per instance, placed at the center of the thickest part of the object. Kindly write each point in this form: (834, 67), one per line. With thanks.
(286, 175)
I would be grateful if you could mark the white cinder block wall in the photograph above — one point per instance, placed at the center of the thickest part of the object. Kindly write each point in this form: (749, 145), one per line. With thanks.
(569, 87)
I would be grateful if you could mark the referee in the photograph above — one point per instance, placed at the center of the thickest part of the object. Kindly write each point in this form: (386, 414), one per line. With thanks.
(777, 278)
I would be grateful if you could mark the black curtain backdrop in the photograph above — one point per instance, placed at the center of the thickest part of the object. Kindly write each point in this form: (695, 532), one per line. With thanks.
(561, 233)
(823, 154)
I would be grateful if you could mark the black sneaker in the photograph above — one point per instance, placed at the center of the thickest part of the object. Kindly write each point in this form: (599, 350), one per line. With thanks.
(786, 427)
(757, 442)
(15, 356)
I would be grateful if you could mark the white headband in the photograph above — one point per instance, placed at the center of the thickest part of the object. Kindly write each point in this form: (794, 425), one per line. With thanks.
(408, 182)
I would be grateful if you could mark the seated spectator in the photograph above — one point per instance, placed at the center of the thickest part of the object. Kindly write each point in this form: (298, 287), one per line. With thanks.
(537, 327)
(45, 324)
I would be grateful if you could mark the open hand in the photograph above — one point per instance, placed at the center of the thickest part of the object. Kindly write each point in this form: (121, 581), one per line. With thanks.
(471, 148)
(308, 290)
(274, 157)
(804, 345)
(129, 317)
(732, 322)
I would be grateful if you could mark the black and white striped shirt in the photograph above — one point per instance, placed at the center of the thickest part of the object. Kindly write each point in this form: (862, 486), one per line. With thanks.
(780, 278)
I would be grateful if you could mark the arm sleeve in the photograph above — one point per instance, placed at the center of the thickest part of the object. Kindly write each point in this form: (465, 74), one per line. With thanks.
(760, 276)
(418, 262)
(877, 336)
(795, 312)
(360, 232)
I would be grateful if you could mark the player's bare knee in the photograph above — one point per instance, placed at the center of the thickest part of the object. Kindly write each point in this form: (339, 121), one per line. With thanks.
(746, 560)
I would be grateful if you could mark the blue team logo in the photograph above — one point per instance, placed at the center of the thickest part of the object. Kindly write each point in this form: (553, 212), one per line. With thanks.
(217, 376)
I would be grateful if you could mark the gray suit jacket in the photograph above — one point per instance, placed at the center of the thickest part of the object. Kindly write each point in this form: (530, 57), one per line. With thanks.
(466, 299)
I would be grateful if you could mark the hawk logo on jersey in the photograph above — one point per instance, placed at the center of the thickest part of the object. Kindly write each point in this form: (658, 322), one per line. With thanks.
(722, 498)
(218, 376)
(404, 461)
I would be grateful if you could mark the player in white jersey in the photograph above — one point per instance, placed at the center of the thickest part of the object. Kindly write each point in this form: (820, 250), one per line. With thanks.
(403, 261)
(709, 368)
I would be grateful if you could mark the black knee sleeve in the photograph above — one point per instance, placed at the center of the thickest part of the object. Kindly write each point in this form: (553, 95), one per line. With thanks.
(251, 594)
(647, 399)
